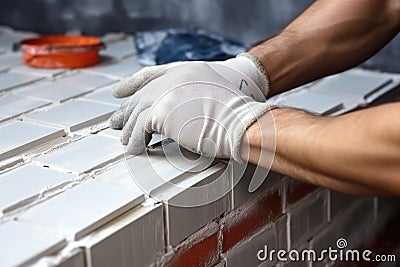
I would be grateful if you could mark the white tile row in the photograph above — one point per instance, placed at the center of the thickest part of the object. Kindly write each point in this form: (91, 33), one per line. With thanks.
(20, 136)
(82, 209)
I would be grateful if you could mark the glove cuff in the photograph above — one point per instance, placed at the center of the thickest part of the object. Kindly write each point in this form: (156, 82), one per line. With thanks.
(257, 63)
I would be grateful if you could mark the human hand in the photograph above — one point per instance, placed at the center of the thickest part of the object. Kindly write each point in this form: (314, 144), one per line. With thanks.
(243, 72)
(195, 105)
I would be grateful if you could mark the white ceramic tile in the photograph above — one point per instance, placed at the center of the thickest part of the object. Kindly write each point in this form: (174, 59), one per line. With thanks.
(134, 239)
(10, 80)
(10, 60)
(84, 208)
(120, 175)
(88, 81)
(66, 88)
(73, 115)
(191, 204)
(105, 96)
(161, 166)
(23, 244)
(18, 137)
(110, 133)
(14, 105)
(85, 155)
(119, 49)
(316, 103)
(118, 69)
(38, 72)
(353, 83)
(9, 38)
(24, 184)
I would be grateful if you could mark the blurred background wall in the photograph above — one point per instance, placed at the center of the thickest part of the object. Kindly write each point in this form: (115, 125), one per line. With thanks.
(243, 20)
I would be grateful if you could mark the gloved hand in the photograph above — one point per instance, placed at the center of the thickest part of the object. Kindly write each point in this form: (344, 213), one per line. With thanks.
(245, 72)
(193, 104)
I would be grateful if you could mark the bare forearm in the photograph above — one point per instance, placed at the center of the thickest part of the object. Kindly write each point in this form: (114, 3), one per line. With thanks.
(358, 153)
(329, 37)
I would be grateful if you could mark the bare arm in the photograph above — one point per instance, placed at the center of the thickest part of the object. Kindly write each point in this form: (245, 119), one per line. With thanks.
(328, 37)
(357, 153)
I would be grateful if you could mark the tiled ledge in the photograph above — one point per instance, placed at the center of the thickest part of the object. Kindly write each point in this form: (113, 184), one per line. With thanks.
(67, 193)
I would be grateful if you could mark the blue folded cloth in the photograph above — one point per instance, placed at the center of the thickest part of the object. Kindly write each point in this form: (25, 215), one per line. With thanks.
(171, 45)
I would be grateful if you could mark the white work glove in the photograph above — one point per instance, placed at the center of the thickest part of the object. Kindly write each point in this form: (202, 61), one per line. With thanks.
(193, 104)
(243, 72)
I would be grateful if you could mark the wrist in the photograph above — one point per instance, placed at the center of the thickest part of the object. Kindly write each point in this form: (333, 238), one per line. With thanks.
(258, 72)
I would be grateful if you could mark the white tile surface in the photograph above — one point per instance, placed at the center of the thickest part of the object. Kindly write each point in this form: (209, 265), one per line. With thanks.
(23, 244)
(117, 69)
(9, 38)
(353, 83)
(18, 137)
(14, 105)
(161, 166)
(10, 60)
(105, 96)
(134, 239)
(85, 155)
(120, 175)
(84, 208)
(190, 206)
(38, 72)
(313, 102)
(110, 133)
(66, 88)
(74, 115)
(10, 80)
(120, 49)
(24, 184)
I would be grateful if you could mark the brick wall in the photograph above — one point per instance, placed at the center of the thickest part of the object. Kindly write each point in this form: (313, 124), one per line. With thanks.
(67, 197)
(288, 215)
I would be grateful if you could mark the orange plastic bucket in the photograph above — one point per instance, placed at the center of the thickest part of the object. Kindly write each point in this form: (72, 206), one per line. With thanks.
(61, 51)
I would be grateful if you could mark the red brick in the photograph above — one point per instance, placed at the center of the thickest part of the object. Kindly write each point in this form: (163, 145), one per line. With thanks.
(202, 253)
(242, 224)
(297, 190)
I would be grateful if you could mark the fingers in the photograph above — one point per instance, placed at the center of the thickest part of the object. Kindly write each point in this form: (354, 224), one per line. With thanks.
(130, 124)
(117, 118)
(140, 138)
(131, 85)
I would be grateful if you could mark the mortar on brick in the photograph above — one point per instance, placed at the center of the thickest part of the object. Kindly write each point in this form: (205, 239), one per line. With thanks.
(250, 217)
(200, 249)
(245, 253)
(307, 217)
(356, 224)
